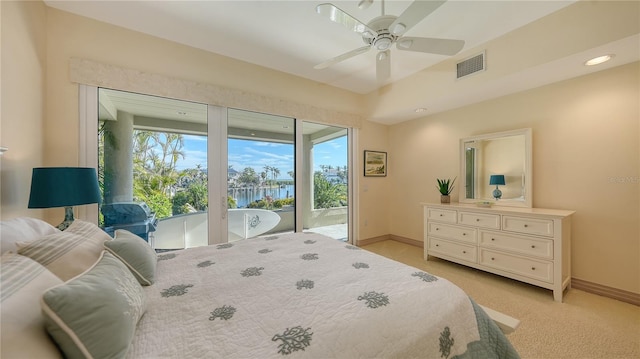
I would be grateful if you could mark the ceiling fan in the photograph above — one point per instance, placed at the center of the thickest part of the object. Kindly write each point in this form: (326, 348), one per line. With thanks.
(385, 30)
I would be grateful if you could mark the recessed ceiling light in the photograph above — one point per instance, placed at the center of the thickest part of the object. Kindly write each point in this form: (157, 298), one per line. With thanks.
(598, 60)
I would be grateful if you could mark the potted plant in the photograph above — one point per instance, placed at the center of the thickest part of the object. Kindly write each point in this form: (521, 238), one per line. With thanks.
(445, 187)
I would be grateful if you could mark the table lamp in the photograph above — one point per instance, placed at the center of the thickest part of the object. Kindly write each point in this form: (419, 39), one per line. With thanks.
(63, 187)
(497, 180)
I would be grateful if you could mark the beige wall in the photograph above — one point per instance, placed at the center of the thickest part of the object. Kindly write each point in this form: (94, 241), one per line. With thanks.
(374, 193)
(585, 158)
(23, 101)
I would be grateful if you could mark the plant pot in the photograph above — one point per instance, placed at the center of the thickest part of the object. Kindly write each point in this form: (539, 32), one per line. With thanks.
(445, 198)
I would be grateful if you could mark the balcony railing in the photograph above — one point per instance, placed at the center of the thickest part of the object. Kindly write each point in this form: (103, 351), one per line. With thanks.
(191, 229)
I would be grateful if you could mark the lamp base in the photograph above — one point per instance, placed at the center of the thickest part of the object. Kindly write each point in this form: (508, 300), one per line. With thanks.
(68, 218)
(497, 193)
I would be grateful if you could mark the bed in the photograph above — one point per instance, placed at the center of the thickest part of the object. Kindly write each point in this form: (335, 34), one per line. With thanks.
(292, 295)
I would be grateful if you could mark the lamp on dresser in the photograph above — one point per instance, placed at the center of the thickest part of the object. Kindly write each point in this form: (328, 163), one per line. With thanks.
(497, 180)
(63, 187)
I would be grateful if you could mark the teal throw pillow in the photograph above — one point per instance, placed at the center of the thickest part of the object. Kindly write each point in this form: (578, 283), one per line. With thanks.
(95, 314)
(136, 254)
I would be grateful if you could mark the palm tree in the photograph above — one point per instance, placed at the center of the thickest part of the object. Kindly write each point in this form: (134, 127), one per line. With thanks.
(267, 170)
(276, 173)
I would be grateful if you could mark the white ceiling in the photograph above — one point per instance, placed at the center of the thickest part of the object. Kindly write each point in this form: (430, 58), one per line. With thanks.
(291, 37)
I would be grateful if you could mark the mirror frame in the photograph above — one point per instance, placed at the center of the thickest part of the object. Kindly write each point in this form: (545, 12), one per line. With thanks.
(528, 177)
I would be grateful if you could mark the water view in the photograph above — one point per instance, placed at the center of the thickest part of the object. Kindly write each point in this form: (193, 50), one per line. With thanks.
(244, 196)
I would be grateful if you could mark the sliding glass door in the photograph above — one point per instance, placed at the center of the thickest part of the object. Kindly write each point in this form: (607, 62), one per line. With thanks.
(152, 167)
(325, 164)
(260, 174)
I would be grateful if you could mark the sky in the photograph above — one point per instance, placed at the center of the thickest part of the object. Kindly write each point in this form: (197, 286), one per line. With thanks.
(256, 154)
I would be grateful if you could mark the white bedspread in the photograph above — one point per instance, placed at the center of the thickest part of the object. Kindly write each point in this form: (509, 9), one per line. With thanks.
(303, 296)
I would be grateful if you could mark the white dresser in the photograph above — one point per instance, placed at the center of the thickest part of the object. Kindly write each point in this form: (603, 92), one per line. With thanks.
(531, 245)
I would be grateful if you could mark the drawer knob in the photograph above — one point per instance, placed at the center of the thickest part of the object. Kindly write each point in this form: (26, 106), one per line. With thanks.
(493, 239)
(464, 234)
(493, 259)
(437, 245)
(465, 252)
(437, 229)
(441, 214)
(477, 219)
(533, 268)
(526, 225)
(533, 246)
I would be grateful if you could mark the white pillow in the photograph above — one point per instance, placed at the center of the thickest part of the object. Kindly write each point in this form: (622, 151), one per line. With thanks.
(23, 333)
(68, 253)
(22, 229)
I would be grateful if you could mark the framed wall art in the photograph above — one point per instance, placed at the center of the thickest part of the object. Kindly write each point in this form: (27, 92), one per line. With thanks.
(375, 164)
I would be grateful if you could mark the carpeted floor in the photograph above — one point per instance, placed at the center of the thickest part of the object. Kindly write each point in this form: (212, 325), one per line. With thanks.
(583, 326)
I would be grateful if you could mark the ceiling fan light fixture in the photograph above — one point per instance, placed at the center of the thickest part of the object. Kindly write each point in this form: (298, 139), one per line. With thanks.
(383, 43)
(368, 35)
(382, 55)
(363, 4)
(398, 29)
(405, 44)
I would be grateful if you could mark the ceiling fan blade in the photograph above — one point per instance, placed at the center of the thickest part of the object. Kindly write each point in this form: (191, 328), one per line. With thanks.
(430, 45)
(335, 14)
(383, 66)
(417, 11)
(342, 57)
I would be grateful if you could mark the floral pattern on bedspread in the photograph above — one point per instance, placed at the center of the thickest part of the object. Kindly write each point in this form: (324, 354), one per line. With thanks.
(293, 339)
(225, 313)
(247, 301)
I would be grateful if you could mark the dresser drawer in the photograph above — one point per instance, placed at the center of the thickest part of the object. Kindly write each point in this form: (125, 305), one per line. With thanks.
(442, 215)
(451, 249)
(536, 269)
(538, 247)
(463, 234)
(541, 227)
(479, 219)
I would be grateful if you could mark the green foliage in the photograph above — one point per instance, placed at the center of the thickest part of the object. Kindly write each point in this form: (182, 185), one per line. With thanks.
(193, 195)
(157, 201)
(279, 203)
(180, 201)
(445, 186)
(267, 203)
(155, 155)
(249, 177)
(231, 202)
(327, 194)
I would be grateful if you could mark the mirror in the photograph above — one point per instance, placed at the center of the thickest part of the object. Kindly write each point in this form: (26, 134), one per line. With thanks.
(496, 168)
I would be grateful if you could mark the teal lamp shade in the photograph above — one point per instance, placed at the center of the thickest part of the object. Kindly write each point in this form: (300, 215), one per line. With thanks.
(63, 187)
(497, 180)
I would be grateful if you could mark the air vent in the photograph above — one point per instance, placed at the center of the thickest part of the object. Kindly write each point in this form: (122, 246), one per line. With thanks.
(470, 66)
